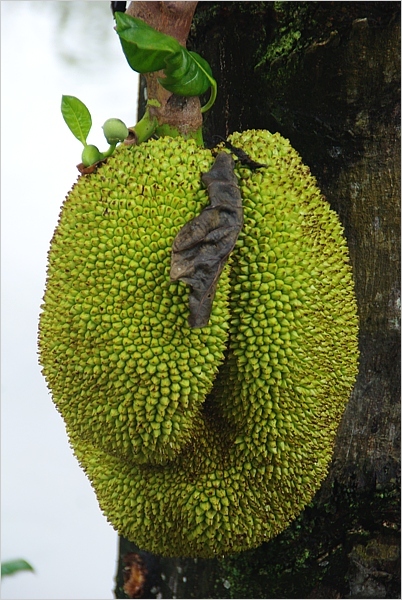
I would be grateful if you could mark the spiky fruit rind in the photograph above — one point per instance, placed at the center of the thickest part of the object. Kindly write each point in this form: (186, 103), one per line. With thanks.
(292, 300)
(260, 447)
(125, 369)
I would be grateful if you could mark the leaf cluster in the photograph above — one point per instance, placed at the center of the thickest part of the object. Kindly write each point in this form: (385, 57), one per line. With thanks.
(79, 121)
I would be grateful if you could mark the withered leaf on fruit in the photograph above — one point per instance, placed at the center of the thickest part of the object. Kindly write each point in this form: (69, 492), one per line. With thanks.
(202, 247)
(243, 157)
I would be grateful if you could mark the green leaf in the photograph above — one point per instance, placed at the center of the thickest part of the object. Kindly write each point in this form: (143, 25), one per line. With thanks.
(148, 50)
(187, 74)
(145, 49)
(14, 566)
(77, 117)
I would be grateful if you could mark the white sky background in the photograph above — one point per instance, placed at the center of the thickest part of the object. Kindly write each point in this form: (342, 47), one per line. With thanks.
(50, 515)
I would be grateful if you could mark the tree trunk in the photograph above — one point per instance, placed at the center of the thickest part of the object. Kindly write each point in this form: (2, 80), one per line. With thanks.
(326, 75)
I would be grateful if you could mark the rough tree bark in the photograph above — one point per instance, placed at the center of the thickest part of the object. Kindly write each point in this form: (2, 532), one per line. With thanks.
(326, 75)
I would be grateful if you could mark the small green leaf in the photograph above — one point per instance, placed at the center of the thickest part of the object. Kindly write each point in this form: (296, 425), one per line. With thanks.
(147, 50)
(14, 566)
(77, 117)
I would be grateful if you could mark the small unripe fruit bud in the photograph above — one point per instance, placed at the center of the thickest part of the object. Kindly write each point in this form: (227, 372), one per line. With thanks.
(115, 131)
(90, 155)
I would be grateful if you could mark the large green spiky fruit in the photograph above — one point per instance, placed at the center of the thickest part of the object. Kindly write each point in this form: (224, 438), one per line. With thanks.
(199, 442)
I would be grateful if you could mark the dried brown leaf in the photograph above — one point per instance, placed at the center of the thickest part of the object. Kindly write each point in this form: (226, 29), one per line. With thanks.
(202, 247)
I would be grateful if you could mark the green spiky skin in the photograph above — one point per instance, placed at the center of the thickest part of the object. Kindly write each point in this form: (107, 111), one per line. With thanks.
(124, 368)
(200, 442)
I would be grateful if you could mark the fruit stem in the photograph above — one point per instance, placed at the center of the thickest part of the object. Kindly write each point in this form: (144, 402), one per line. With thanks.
(145, 127)
(109, 151)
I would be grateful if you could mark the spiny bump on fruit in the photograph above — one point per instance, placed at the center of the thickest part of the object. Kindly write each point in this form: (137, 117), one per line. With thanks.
(199, 442)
